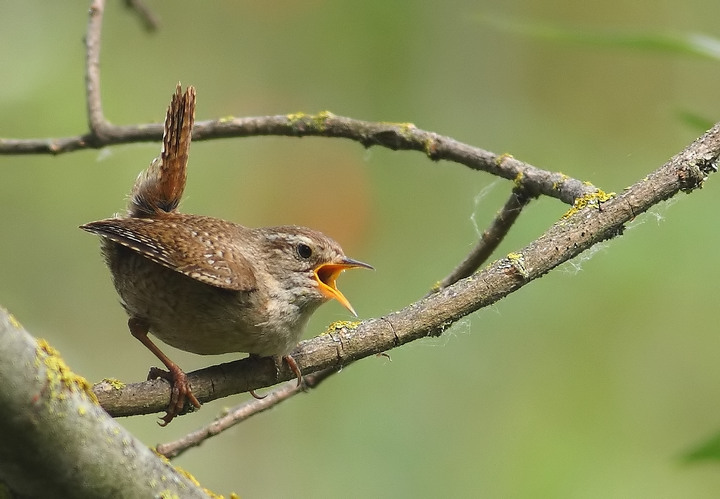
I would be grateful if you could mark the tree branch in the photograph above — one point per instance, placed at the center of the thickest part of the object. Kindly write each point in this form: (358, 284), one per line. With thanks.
(242, 412)
(598, 219)
(58, 441)
(490, 239)
(395, 136)
(150, 21)
(100, 129)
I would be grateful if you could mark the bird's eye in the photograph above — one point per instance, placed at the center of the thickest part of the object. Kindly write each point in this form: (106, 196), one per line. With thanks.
(304, 251)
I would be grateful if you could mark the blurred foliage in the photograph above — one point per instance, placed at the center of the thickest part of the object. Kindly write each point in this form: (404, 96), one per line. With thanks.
(695, 44)
(707, 451)
(695, 120)
(587, 383)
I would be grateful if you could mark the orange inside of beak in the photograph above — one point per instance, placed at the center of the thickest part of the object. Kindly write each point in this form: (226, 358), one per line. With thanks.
(327, 274)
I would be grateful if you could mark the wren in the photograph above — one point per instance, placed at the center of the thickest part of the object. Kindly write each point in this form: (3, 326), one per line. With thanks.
(206, 285)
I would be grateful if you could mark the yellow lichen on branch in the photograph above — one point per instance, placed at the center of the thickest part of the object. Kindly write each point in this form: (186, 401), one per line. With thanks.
(114, 383)
(60, 377)
(338, 325)
(594, 198)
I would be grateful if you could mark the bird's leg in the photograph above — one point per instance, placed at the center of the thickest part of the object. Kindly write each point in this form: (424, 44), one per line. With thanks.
(253, 392)
(293, 367)
(278, 361)
(178, 379)
(255, 395)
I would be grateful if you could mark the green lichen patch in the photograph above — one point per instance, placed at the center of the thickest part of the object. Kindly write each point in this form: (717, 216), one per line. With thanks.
(338, 325)
(60, 379)
(590, 199)
(430, 148)
(517, 261)
(114, 383)
(293, 118)
(518, 180)
(405, 129)
(195, 482)
(556, 184)
(315, 122)
(499, 160)
(320, 120)
(14, 322)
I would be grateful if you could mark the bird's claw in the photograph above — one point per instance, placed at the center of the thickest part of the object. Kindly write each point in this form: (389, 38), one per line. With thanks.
(180, 392)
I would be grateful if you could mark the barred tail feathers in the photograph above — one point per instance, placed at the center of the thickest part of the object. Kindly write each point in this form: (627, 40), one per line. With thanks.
(159, 188)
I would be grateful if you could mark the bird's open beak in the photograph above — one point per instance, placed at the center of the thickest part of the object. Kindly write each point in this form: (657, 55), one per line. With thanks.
(326, 275)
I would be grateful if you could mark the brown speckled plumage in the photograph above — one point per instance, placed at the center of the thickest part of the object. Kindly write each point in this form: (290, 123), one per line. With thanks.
(206, 285)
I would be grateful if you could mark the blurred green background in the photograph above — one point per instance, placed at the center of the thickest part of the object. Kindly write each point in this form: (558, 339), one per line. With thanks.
(594, 381)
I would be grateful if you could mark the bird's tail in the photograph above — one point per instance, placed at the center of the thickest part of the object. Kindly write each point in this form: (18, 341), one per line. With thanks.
(159, 188)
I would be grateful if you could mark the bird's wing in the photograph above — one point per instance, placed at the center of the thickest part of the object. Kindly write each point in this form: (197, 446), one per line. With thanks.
(203, 251)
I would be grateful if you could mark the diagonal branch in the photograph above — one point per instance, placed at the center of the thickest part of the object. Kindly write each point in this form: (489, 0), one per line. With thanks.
(57, 442)
(150, 21)
(241, 413)
(431, 316)
(490, 239)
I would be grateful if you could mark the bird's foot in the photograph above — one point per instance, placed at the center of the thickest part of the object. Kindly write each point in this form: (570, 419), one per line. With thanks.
(180, 392)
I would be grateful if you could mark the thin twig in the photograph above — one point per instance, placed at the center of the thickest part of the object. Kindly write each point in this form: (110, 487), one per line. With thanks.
(148, 18)
(242, 412)
(490, 239)
(96, 120)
